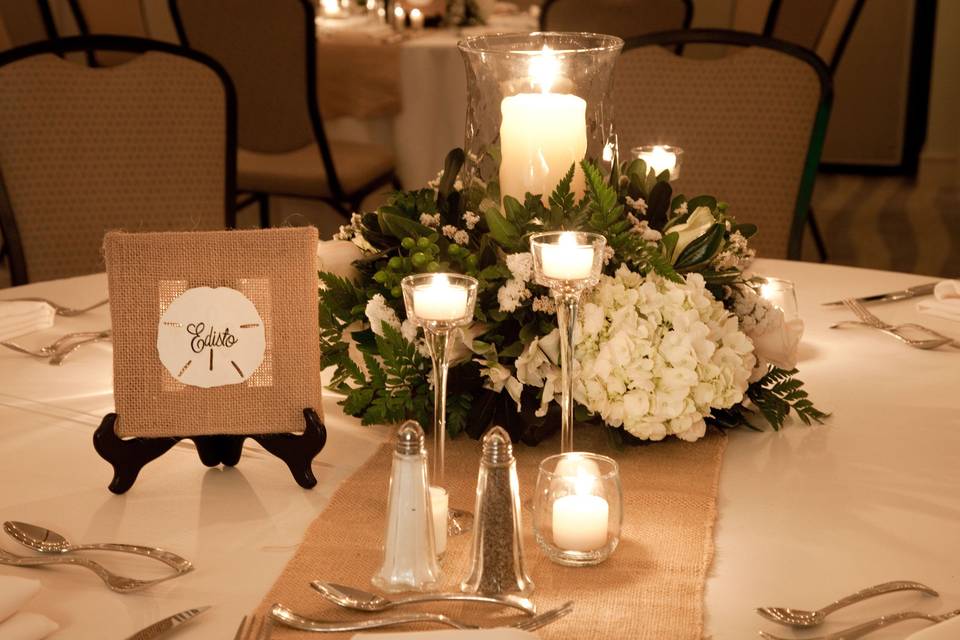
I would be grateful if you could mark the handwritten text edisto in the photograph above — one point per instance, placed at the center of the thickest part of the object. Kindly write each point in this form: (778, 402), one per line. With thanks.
(210, 339)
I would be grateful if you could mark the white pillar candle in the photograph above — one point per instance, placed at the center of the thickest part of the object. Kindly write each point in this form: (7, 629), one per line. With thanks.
(330, 7)
(440, 300)
(416, 18)
(580, 522)
(660, 160)
(439, 503)
(399, 18)
(567, 260)
(541, 135)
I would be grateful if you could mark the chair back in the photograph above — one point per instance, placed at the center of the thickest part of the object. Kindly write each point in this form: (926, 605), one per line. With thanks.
(751, 124)
(622, 18)
(147, 145)
(109, 17)
(25, 21)
(269, 50)
(824, 26)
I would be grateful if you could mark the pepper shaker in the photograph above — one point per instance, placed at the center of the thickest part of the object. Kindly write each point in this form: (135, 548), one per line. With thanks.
(497, 564)
(409, 551)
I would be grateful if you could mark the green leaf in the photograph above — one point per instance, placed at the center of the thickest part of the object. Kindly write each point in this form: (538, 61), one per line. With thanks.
(702, 201)
(746, 229)
(670, 244)
(399, 226)
(658, 205)
(451, 169)
(562, 199)
(501, 229)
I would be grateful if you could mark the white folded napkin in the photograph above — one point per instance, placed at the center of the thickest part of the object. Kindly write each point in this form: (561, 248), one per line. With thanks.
(946, 630)
(27, 626)
(452, 634)
(337, 256)
(14, 593)
(945, 302)
(20, 317)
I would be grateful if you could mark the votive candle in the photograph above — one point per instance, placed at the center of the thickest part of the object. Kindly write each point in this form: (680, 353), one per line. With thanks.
(567, 259)
(416, 18)
(440, 300)
(580, 522)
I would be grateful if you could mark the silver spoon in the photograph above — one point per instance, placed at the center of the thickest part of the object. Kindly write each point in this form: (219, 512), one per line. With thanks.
(803, 618)
(120, 584)
(360, 600)
(46, 541)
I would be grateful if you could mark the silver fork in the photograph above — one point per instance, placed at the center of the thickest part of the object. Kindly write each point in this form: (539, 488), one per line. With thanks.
(62, 354)
(59, 308)
(875, 322)
(254, 627)
(50, 349)
(114, 582)
(869, 627)
(284, 615)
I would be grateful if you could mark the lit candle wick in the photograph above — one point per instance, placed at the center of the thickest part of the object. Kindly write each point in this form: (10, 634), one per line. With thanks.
(544, 69)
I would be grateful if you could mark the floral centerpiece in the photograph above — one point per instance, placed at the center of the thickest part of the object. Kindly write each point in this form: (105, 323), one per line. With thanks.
(673, 337)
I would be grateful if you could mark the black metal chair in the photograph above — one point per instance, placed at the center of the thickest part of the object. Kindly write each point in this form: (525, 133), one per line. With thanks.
(150, 145)
(269, 49)
(751, 124)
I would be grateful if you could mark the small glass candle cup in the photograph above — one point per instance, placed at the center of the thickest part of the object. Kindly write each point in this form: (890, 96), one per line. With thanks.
(780, 293)
(567, 261)
(660, 158)
(578, 508)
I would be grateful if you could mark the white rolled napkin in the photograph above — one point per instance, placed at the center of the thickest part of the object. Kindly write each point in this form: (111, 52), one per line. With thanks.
(453, 634)
(21, 317)
(27, 626)
(337, 256)
(946, 630)
(945, 302)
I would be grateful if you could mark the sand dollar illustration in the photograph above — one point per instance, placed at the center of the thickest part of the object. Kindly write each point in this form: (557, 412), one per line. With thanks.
(211, 337)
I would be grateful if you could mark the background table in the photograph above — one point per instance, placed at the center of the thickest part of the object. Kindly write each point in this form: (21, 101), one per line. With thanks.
(806, 515)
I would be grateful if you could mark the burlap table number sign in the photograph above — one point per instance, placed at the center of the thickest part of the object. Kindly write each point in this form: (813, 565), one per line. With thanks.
(215, 340)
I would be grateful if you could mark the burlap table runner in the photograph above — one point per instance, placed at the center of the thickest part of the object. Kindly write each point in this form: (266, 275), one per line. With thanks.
(358, 76)
(650, 588)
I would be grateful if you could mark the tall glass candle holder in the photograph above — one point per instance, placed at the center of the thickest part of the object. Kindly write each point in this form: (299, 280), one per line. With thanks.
(440, 303)
(568, 262)
(538, 103)
(578, 508)
(660, 158)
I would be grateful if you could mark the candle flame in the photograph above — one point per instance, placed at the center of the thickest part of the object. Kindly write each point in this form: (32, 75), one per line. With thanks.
(584, 483)
(440, 280)
(567, 239)
(544, 69)
(768, 291)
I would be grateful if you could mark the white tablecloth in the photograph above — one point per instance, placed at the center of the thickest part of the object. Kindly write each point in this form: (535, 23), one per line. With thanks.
(806, 515)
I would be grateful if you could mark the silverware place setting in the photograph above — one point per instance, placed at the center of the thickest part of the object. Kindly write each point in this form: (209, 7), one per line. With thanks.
(285, 616)
(359, 600)
(870, 626)
(55, 549)
(892, 296)
(169, 623)
(56, 352)
(865, 318)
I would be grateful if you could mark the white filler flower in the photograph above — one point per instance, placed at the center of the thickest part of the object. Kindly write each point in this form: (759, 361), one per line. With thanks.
(656, 356)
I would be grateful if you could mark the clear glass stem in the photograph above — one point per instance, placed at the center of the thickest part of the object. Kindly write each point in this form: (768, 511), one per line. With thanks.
(437, 342)
(567, 305)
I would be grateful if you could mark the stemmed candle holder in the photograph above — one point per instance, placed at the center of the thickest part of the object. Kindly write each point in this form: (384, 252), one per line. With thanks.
(567, 262)
(439, 303)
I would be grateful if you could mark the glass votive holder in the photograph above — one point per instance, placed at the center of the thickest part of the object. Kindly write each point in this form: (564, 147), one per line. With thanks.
(567, 259)
(578, 508)
(439, 300)
(660, 158)
(780, 293)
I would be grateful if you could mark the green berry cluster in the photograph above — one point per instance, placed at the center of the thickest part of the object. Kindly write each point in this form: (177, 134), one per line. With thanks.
(424, 255)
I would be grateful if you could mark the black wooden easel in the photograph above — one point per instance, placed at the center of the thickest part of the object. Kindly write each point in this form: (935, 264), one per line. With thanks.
(129, 456)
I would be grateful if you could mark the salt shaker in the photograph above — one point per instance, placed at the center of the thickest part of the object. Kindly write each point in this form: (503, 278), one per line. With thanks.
(497, 554)
(409, 551)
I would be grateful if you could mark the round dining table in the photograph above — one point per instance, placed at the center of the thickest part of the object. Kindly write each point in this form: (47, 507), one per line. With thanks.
(806, 514)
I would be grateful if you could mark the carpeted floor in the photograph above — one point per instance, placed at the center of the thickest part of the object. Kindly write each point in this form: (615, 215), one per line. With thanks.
(890, 223)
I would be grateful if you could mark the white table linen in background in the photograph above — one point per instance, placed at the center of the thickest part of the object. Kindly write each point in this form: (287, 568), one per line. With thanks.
(15, 624)
(806, 515)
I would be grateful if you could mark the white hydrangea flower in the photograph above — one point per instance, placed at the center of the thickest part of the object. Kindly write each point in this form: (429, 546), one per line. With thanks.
(428, 220)
(378, 312)
(470, 219)
(654, 356)
(521, 265)
(513, 292)
(544, 304)
(448, 230)
(461, 237)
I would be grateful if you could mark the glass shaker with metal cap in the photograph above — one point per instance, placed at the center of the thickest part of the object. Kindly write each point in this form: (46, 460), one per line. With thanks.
(409, 551)
(497, 564)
